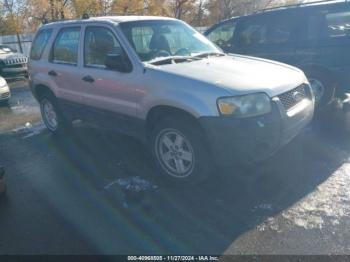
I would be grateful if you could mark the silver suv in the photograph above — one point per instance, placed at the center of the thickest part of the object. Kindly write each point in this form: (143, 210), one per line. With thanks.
(161, 81)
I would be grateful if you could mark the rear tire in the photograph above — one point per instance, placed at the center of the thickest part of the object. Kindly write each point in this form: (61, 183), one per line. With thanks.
(180, 151)
(52, 116)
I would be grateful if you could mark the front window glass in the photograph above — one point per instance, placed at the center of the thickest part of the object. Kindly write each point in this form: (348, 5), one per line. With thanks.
(99, 42)
(65, 48)
(223, 35)
(153, 39)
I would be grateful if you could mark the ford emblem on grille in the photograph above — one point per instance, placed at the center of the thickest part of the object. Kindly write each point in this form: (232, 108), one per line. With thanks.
(297, 96)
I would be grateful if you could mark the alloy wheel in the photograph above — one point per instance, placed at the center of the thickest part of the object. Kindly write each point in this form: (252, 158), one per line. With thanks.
(49, 114)
(318, 89)
(175, 153)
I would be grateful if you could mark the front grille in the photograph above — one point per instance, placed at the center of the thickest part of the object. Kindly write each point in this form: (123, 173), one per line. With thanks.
(16, 61)
(293, 97)
(5, 95)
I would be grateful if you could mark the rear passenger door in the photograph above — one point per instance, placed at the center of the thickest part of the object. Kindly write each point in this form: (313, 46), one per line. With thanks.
(108, 94)
(64, 67)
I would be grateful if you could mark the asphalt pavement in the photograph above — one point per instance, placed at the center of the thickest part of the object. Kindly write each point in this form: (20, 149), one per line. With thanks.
(96, 192)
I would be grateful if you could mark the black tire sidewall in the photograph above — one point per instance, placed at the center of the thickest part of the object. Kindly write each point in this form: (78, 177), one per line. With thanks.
(192, 132)
(328, 83)
(5, 102)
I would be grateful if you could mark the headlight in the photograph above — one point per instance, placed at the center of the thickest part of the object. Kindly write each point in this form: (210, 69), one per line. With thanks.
(3, 82)
(245, 106)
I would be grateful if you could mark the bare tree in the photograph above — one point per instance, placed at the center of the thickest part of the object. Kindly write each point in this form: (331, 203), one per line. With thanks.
(224, 9)
(180, 8)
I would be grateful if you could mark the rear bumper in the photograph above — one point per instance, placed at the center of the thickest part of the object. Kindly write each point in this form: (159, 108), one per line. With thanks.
(251, 140)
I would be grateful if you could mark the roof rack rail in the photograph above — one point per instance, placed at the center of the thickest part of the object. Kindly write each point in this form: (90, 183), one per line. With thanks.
(297, 5)
(87, 16)
(46, 21)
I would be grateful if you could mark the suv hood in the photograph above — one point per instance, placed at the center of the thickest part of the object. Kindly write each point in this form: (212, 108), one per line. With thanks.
(240, 74)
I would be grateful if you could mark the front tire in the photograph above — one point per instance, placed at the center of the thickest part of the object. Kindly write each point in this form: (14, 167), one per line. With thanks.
(323, 87)
(52, 115)
(180, 151)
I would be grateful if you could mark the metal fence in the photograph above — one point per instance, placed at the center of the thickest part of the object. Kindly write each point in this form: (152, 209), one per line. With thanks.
(21, 43)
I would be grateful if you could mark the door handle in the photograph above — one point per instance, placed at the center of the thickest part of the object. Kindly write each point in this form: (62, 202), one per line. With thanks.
(52, 73)
(88, 79)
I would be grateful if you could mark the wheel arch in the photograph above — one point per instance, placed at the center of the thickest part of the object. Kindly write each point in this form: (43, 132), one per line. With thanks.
(318, 68)
(41, 89)
(161, 111)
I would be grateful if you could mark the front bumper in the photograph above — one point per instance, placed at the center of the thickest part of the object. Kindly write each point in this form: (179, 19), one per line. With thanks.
(251, 140)
(13, 72)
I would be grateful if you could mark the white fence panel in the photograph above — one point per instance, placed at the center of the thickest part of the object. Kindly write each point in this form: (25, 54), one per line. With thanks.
(12, 41)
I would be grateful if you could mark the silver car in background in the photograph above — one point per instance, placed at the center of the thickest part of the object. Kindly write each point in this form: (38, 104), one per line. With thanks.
(5, 92)
(161, 81)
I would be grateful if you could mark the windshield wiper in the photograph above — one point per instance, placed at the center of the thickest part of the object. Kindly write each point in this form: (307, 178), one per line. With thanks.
(208, 54)
(172, 59)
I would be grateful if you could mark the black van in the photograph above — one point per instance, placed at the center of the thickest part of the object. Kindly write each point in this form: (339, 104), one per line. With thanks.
(314, 37)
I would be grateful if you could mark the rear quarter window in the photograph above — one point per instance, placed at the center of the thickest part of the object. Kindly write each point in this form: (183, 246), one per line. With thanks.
(40, 43)
(338, 24)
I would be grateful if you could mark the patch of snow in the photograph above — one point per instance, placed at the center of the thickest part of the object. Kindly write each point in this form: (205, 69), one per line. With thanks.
(329, 203)
(134, 184)
(31, 130)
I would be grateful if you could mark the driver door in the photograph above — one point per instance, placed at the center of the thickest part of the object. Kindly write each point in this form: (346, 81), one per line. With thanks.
(109, 95)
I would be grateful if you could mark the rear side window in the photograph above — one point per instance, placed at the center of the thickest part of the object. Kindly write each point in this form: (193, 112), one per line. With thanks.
(65, 48)
(223, 35)
(268, 30)
(40, 43)
(281, 30)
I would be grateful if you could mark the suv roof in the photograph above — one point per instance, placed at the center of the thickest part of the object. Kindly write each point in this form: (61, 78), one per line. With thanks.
(114, 19)
(292, 7)
(305, 4)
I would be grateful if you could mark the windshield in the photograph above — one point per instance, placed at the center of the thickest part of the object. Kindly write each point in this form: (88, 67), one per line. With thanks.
(158, 38)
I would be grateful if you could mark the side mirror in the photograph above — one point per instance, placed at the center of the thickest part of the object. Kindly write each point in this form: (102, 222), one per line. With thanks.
(118, 62)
